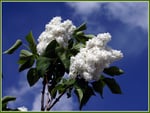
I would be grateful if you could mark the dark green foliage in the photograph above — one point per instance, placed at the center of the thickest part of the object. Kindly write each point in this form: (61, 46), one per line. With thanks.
(89, 36)
(70, 43)
(32, 76)
(5, 101)
(50, 50)
(59, 69)
(63, 86)
(78, 46)
(42, 65)
(112, 71)
(98, 86)
(83, 92)
(64, 56)
(24, 56)
(68, 82)
(87, 93)
(26, 60)
(69, 92)
(27, 64)
(14, 47)
(113, 85)
(79, 35)
(80, 28)
(31, 42)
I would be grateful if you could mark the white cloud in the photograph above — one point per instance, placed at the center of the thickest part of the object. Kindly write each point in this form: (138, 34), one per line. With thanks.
(87, 11)
(84, 8)
(130, 43)
(36, 106)
(64, 104)
(22, 91)
(31, 96)
(134, 14)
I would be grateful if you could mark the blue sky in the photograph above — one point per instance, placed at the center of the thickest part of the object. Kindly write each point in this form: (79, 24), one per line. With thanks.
(127, 22)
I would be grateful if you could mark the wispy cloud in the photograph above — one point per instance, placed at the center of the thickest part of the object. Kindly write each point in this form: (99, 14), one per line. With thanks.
(23, 92)
(30, 97)
(36, 105)
(132, 13)
(88, 12)
(132, 18)
(64, 104)
(84, 8)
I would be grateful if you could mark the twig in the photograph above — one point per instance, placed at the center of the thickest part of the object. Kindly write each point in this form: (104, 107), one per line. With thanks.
(57, 99)
(42, 97)
(49, 100)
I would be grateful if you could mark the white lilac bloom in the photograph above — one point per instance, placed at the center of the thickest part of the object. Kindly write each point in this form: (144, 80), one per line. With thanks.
(90, 62)
(22, 108)
(55, 30)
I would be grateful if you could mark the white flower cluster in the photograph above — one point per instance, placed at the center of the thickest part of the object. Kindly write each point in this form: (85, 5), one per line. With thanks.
(90, 62)
(55, 30)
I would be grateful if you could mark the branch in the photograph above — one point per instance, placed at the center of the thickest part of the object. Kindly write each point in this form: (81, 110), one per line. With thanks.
(49, 101)
(57, 99)
(42, 97)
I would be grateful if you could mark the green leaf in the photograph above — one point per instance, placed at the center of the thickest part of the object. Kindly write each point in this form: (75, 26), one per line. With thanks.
(89, 36)
(81, 39)
(42, 65)
(32, 76)
(14, 47)
(78, 46)
(24, 60)
(53, 90)
(8, 98)
(83, 91)
(24, 56)
(80, 33)
(73, 51)
(68, 82)
(113, 85)
(69, 92)
(64, 56)
(25, 53)
(70, 43)
(26, 64)
(50, 49)
(80, 85)
(81, 28)
(112, 71)
(31, 41)
(98, 87)
(59, 69)
(88, 92)
(5, 101)
(79, 93)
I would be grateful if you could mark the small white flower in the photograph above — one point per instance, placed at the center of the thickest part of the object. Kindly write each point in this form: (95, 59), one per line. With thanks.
(22, 108)
(90, 62)
(55, 30)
